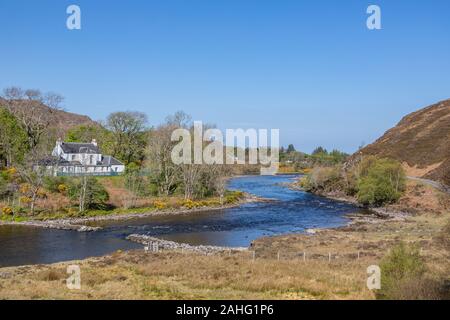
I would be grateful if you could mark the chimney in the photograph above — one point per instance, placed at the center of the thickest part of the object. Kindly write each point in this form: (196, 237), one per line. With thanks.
(58, 142)
(94, 142)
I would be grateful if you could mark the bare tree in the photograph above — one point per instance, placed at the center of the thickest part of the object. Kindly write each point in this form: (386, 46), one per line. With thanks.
(159, 159)
(179, 119)
(34, 110)
(191, 174)
(221, 173)
(83, 185)
(33, 174)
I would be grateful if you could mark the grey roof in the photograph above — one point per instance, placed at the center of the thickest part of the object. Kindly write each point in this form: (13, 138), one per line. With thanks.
(110, 161)
(72, 147)
(58, 161)
(53, 161)
(50, 161)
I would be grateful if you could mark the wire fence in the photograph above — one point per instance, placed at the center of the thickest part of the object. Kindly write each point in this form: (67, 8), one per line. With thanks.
(304, 256)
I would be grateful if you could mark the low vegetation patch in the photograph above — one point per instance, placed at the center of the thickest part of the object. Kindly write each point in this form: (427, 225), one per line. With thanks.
(372, 181)
(403, 276)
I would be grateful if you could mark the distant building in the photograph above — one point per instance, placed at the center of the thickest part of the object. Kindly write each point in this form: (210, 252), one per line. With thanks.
(79, 159)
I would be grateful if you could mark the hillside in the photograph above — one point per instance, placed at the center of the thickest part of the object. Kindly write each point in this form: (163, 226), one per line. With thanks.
(421, 141)
(62, 120)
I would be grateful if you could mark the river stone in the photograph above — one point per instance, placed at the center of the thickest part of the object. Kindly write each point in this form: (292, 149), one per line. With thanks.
(156, 244)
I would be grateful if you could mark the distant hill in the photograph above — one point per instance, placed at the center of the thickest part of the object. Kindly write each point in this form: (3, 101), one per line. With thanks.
(66, 120)
(421, 141)
(63, 121)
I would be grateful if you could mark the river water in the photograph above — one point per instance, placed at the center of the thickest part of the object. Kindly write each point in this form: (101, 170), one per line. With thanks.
(290, 212)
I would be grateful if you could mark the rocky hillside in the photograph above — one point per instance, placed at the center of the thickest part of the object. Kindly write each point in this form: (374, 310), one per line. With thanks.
(421, 141)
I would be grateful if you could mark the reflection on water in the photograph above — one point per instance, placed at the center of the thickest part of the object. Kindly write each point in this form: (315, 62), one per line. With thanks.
(292, 211)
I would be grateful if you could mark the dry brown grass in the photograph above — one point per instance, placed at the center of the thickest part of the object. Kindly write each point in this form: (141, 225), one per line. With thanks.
(136, 275)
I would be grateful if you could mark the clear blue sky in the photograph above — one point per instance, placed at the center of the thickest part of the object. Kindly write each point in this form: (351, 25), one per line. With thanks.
(310, 68)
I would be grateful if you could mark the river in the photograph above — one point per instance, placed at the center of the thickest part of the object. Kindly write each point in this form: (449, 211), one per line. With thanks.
(291, 212)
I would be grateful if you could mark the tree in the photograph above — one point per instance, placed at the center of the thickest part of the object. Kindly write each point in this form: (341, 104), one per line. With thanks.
(179, 119)
(290, 148)
(337, 156)
(383, 183)
(34, 111)
(33, 175)
(216, 180)
(165, 173)
(86, 133)
(129, 135)
(134, 182)
(319, 150)
(89, 193)
(13, 139)
(190, 175)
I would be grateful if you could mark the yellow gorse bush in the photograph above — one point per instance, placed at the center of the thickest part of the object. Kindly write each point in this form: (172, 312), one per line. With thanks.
(62, 188)
(7, 211)
(25, 200)
(188, 203)
(24, 188)
(159, 204)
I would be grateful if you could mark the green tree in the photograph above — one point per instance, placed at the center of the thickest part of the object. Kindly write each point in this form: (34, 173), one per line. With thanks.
(337, 156)
(86, 133)
(319, 151)
(129, 131)
(89, 193)
(13, 140)
(290, 148)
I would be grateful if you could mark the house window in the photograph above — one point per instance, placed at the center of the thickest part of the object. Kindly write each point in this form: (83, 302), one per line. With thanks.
(73, 157)
(91, 159)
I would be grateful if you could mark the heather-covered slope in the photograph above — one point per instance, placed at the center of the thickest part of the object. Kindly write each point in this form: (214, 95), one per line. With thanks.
(421, 141)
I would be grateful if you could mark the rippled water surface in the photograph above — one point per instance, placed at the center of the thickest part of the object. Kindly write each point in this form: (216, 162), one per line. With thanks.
(291, 212)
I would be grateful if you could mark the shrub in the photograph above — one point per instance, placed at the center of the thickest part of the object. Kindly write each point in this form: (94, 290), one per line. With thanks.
(189, 204)
(401, 268)
(232, 197)
(53, 184)
(7, 211)
(323, 179)
(24, 188)
(382, 182)
(24, 200)
(62, 188)
(160, 205)
(443, 237)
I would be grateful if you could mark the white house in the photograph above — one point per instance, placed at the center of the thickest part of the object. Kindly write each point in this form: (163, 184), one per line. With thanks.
(78, 159)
